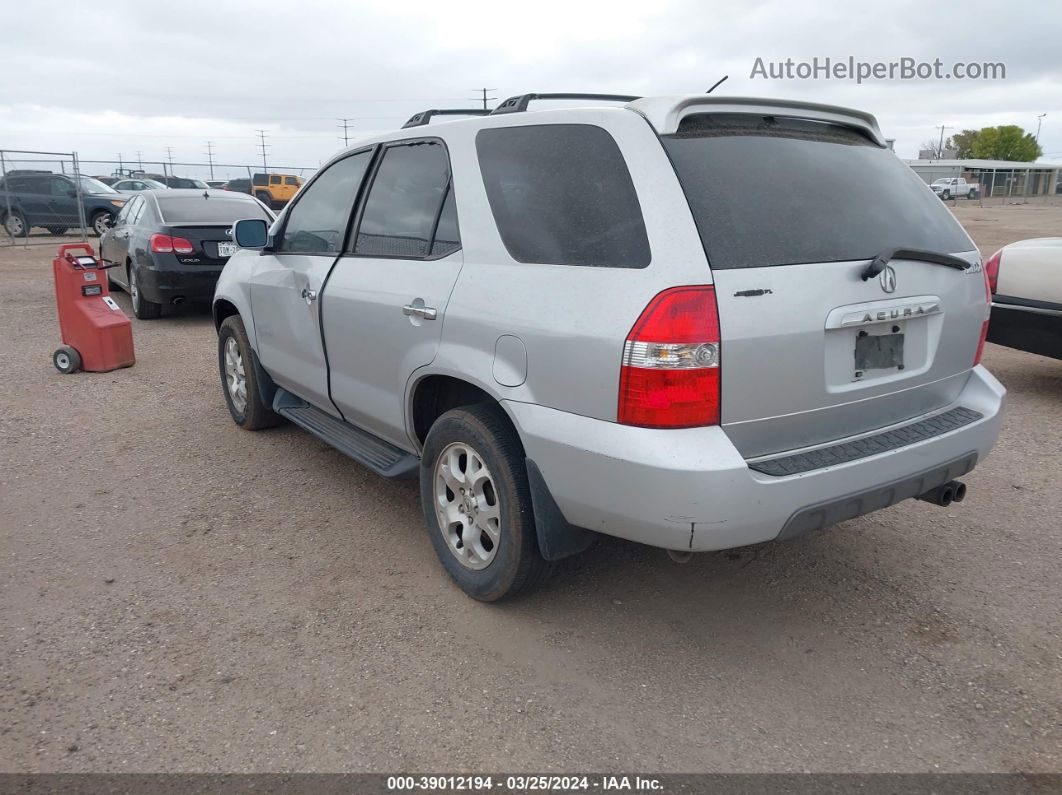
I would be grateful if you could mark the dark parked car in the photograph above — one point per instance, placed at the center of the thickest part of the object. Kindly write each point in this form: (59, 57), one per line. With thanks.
(171, 181)
(240, 186)
(169, 246)
(43, 199)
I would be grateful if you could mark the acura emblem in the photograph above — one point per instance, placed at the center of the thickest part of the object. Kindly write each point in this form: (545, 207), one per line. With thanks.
(888, 279)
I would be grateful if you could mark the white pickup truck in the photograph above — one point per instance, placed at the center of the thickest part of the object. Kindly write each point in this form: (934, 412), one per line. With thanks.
(953, 187)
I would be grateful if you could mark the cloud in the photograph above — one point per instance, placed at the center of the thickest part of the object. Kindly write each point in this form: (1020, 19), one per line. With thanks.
(148, 76)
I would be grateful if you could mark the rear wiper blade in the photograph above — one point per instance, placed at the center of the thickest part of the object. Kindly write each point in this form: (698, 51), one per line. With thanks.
(877, 265)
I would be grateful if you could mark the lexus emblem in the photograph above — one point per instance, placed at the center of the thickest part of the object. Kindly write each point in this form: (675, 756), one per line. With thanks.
(888, 279)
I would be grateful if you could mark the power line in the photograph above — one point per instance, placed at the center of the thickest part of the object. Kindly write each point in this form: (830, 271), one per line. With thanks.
(263, 146)
(210, 157)
(484, 98)
(344, 123)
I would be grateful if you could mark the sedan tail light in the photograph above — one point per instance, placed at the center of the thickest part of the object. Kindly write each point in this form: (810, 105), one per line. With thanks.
(164, 244)
(670, 374)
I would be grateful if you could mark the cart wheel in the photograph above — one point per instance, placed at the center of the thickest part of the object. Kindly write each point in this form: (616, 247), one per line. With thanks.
(66, 360)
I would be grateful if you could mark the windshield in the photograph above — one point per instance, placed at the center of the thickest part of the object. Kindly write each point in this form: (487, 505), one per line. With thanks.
(768, 190)
(212, 210)
(90, 185)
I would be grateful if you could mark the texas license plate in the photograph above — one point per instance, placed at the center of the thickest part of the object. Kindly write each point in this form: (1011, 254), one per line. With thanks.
(878, 352)
(227, 249)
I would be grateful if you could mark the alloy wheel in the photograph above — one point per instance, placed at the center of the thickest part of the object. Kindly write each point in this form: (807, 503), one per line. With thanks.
(235, 376)
(466, 505)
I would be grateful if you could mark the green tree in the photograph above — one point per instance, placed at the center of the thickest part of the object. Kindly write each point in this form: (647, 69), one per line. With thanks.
(964, 143)
(1009, 142)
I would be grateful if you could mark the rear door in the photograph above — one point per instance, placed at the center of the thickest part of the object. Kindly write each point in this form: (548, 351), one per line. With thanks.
(384, 304)
(790, 213)
(287, 280)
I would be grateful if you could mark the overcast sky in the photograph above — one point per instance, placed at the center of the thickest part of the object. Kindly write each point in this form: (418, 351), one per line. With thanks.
(104, 78)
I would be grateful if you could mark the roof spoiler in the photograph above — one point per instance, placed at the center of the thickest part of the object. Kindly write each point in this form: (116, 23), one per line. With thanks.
(519, 104)
(422, 118)
(666, 113)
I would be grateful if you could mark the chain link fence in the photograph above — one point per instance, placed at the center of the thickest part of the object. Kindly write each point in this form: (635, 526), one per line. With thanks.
(43, 196)
(50, 195)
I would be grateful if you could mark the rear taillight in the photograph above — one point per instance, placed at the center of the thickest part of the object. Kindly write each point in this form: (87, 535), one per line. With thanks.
(161, 244)
(164, 244)
(991, 271)
(670, 372)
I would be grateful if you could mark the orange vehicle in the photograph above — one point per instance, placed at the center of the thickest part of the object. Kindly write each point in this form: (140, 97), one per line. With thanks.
(275, 190)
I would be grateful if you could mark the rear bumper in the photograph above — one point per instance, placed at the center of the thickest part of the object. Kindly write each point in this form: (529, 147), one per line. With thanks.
(167, 279)
(1035, 329)
(692, 490)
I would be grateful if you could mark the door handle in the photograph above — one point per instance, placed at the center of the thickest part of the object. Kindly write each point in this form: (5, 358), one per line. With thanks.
(421, 311)
(309, 295)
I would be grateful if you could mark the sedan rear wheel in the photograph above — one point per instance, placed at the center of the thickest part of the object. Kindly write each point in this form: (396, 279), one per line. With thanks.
(142, 307)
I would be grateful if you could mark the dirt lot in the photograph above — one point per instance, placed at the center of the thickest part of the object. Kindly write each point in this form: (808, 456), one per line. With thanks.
(177, 594)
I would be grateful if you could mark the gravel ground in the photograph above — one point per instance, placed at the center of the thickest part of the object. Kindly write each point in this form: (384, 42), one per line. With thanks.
(180, 595)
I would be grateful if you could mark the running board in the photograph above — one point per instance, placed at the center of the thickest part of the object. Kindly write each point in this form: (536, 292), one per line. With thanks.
(365, 448)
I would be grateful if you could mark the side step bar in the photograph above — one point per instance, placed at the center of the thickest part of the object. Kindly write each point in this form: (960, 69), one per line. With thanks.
(365, 448)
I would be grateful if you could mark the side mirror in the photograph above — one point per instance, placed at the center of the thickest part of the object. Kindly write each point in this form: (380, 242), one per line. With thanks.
(250, 233)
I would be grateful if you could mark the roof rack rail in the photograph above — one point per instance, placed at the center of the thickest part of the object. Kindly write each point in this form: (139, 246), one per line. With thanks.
(519, 104)
(422, 118)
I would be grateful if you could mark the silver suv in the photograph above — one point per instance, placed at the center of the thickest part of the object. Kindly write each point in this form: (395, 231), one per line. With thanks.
(693, 322)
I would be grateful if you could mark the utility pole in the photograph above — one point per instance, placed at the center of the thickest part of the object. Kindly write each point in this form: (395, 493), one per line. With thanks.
(484, 98)
(210, 157)
(140, 159)
(1039, 121)
(169, 158)
(345, 124)
(940, 146)
(120, 165)
(263, 145)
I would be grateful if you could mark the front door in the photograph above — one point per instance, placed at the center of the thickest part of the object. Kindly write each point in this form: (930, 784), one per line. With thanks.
(287, 281)
(384, 305)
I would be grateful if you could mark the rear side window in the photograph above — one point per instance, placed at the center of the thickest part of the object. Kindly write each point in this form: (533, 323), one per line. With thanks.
(767, 190)
(291, 181)
(318, 221)
(404, 202)
(562, 194)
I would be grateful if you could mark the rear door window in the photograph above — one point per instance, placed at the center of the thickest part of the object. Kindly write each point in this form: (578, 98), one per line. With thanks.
(404, 203)
(562, 194)
(767, 190)
(317, 222)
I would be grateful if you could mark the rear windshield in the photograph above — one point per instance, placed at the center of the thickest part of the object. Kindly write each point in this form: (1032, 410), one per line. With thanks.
(767, 190)
(191, 209)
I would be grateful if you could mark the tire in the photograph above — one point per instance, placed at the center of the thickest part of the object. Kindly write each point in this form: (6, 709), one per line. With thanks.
(513, 564)
(15, 224)
(945, 195)
(101, 222)
(142, 308)
(66, 360)
(254, 415)
(265, 198)
(56, 230)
